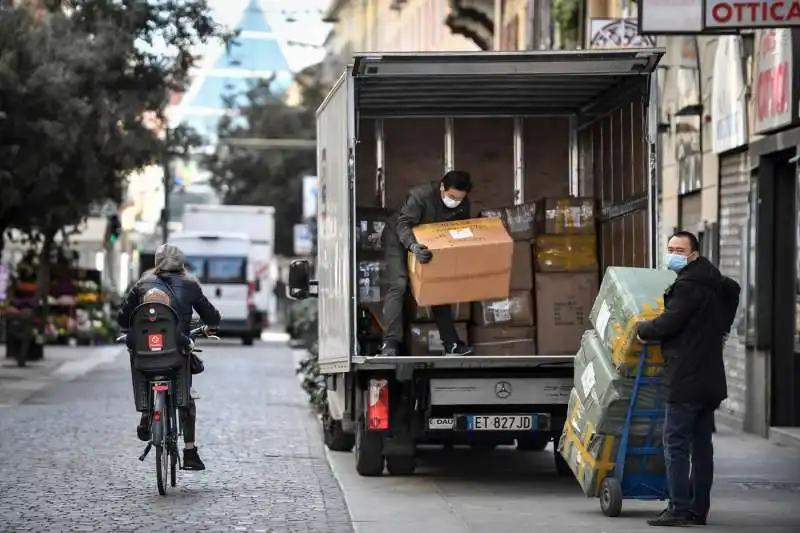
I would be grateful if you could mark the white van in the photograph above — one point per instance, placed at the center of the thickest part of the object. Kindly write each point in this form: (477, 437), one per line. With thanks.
(220, 263)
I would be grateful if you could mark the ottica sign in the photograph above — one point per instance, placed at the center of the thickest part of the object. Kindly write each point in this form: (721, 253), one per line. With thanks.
(721, 14)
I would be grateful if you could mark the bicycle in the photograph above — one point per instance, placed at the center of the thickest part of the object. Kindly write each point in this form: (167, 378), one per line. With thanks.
(164, 430)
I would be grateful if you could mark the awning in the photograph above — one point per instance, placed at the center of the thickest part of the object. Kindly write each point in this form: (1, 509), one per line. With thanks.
(584, 83)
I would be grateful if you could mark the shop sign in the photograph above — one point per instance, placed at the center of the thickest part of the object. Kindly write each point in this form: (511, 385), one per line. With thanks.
(728, 105)
(617, 33)
(664, 17)
(773, 80)
(730, 15)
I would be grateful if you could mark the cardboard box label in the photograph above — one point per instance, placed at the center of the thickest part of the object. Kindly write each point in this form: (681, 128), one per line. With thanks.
(435, 341)
(587, 379)
(603, 316)
(502, 311)
(463, 233)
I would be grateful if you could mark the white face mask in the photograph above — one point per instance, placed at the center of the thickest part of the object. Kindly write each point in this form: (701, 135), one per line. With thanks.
(450, 203)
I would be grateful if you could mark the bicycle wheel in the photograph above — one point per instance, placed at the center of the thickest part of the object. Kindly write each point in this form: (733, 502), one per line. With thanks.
(161, 469)
(173, 441)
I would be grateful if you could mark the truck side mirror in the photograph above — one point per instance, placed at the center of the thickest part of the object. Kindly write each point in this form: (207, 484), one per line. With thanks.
(300, 280)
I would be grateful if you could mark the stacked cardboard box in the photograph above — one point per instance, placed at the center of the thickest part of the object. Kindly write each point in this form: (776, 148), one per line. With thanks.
(565, 256)
(604, 367)
(506, 326)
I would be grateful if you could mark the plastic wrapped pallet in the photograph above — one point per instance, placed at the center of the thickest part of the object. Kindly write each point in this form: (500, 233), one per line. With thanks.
(592, 456)
(627, 296)
(605, 394)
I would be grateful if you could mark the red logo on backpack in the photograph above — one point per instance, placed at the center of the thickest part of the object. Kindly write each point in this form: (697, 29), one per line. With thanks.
(155, 342)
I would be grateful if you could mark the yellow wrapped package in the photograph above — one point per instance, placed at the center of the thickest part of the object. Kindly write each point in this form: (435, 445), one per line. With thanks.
(589, 455)
(592, 456)
(627, 296)
(566, 253)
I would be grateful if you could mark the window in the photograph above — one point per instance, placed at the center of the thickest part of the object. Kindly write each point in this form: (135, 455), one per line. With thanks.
(220, 270)
(226, 270)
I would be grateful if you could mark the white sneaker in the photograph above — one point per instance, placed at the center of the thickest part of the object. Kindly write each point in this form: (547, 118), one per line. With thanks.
(194, 394)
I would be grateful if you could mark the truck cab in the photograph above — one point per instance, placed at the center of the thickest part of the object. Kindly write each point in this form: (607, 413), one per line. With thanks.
(527, 126)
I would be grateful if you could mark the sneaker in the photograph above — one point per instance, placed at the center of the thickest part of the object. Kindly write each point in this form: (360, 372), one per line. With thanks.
(193, 394)
(143, 429)
(191, 460)
(667, 519)
(389, 349)
(457, 348)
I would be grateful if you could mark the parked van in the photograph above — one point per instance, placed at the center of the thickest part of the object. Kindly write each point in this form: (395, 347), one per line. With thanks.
(220, 263)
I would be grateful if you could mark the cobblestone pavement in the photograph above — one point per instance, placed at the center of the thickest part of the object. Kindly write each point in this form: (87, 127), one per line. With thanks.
(68, 455)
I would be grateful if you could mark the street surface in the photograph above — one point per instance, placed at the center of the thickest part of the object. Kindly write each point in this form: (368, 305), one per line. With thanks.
(68, 462)
(69, 454)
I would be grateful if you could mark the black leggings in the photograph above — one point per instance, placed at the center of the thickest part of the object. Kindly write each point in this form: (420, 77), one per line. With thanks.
(188, 417)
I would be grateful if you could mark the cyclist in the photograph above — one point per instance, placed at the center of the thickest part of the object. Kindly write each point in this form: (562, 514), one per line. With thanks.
(171, 277)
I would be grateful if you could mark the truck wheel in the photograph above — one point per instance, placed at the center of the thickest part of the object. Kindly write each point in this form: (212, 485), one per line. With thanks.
(533, 443)
(368, 451)
(247, 341)
(401, 465)
(562, 467)
(335, 437)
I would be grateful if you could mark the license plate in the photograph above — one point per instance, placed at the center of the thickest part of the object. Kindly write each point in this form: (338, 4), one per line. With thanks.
(502, 423)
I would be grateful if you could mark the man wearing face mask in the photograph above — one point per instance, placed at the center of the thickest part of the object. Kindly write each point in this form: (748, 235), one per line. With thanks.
(700, 307)
(440, 201)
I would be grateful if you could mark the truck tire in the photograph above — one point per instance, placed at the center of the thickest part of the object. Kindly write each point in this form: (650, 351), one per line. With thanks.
(335, 438)
(247, 341)
(533, 443)
(401, 465)
(562, 467)
(368, 451)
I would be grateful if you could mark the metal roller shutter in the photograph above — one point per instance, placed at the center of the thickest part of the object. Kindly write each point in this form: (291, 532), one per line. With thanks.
(734, 209)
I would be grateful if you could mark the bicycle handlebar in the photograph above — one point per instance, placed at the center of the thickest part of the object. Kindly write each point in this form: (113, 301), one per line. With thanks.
(193, 334)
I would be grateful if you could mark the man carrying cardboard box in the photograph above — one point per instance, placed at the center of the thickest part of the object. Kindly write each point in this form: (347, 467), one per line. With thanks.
(441, 201)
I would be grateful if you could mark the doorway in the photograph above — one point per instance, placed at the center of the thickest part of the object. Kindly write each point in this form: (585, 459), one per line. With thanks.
(778, 296)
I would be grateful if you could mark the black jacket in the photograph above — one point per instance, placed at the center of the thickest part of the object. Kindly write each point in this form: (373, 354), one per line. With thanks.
(424, 205)
(691, 331)
(185, 294)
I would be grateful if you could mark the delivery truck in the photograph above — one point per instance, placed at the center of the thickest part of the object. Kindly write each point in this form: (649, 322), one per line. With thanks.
(560, 146)
(258, 223)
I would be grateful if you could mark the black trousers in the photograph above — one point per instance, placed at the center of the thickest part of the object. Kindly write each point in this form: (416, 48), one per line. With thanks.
(397, 270)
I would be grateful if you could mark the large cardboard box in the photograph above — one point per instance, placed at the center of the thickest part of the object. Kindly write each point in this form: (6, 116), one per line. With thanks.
(471, 262)
(519, 220)
(522, 267)
(568, 215)
(566, 253)
(563, 303)
(497, 340)
(425, 339)
(516, 310)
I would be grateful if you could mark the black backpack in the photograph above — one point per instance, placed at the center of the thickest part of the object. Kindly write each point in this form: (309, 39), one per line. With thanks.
(729, 302)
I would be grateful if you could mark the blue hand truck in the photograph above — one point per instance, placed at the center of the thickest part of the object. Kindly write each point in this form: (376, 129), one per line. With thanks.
(620, 486)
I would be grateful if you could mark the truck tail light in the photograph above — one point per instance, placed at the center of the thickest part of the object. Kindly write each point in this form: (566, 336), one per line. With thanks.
(378, 408)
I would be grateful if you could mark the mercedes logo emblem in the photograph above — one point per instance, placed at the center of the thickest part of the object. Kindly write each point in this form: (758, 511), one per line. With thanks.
(502, 389)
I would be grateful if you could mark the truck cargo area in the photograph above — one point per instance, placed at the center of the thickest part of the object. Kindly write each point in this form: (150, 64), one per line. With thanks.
(527, 127)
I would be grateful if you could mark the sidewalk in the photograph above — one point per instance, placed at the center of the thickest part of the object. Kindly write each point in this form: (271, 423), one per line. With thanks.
(756, 490)
(60, 363)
